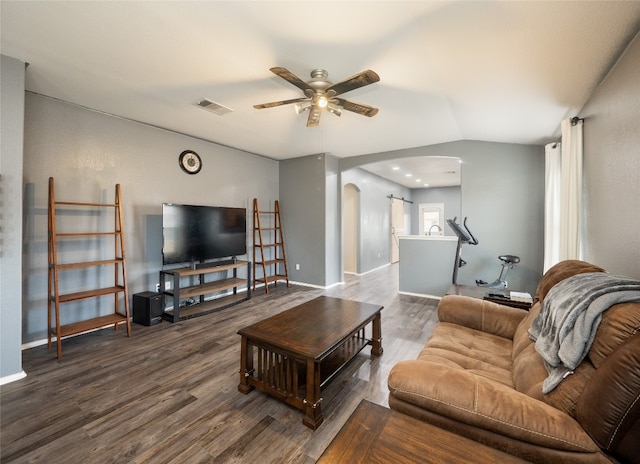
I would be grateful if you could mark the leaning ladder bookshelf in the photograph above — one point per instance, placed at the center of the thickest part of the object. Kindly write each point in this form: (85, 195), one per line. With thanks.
(269, 256)
(56, 271)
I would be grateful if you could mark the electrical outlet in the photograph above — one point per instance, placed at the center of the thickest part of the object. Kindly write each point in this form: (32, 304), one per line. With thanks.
(297, 267)
(157, 287)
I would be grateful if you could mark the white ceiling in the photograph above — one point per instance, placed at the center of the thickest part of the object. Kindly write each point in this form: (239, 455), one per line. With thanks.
(502, 71)
(420, 172)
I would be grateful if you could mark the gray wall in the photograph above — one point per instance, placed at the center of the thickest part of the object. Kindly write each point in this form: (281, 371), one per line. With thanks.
(11, 265)
(303, 205)
(87, 153)
(503, 196)
(612, 168)
(450, 196)
(333, 215)
(313, 184)
(426, 265)
(375, 216)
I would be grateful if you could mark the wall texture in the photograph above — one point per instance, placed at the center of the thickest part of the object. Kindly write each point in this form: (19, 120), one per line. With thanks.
(12, 73)
(612, 168)
(87, 153)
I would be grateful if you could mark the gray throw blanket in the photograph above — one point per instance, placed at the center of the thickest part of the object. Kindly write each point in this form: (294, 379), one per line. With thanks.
(571, 312)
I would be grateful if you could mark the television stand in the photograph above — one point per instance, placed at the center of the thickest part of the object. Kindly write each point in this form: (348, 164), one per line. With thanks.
(183, 290)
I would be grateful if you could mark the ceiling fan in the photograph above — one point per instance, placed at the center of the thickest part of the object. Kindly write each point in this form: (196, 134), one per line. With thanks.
(321, 94)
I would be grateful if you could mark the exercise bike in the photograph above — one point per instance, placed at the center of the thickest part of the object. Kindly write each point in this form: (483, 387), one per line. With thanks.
(501, 282)
(466, 237)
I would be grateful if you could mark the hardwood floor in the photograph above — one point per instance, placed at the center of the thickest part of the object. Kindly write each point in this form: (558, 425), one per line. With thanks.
(169, 394)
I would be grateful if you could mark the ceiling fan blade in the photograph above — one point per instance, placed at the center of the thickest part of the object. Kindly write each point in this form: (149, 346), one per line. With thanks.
(280, 103)
(364, 110)
(354, 82)
(314, 116)
(292, 78)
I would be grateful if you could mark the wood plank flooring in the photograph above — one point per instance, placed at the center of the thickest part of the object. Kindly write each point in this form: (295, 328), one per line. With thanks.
(169, 393)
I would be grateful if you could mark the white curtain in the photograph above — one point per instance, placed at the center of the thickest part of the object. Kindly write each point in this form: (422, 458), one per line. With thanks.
(571, 204)
(563, 195)
(552, 182)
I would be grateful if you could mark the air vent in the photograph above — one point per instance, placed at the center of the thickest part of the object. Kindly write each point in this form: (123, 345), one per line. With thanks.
(212, 106)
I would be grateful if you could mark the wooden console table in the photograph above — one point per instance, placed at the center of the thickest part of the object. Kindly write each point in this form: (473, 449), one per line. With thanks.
(374, 433)
(217, 284)
(293, 354)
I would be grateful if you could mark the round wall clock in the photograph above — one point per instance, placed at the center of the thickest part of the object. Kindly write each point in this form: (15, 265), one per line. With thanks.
(190, 162)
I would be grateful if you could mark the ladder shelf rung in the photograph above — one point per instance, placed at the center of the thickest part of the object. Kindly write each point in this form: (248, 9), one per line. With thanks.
(88, 263)
(272, 278)
(89, 324)
(87, 234)
(65, 298)
(79, 203)
(271, 261)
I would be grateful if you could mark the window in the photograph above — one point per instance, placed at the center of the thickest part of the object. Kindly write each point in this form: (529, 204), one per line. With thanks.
(431, 219)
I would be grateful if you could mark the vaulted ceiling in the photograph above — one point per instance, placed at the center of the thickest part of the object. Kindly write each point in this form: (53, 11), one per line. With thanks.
(503, 71)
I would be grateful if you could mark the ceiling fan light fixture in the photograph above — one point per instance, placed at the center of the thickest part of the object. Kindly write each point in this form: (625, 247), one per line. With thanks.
(302, 107)
(322, 101)
(321, 94)
(334, 109)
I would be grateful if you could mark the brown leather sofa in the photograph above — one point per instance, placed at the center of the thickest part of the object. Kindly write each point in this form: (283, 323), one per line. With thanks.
(480, 376)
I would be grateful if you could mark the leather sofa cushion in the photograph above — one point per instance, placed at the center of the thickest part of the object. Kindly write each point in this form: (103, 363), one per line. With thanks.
(482, 315)
(469, 349)
(475, 400)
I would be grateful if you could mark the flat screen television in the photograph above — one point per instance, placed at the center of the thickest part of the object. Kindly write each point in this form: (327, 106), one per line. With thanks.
(193, 234)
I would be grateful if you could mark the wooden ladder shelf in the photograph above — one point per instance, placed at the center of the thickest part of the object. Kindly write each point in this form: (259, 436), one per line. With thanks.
(269, 254)
(118, 287)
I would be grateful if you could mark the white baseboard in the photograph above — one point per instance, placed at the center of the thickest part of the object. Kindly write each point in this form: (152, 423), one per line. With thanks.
(44, 341)
(374, 269)
(12, 378)
(421, 295)
(320, 287)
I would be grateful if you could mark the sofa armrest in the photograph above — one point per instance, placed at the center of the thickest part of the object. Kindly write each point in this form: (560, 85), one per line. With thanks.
(482, 315)
(480, 402)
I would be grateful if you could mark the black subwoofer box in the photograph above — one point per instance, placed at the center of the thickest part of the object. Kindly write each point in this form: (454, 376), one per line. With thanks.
(147, 308)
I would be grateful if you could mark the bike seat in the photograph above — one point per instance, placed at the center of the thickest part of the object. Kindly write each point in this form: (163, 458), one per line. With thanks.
(509, 259)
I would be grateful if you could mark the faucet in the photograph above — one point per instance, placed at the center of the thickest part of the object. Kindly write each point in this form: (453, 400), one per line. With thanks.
(435, 225)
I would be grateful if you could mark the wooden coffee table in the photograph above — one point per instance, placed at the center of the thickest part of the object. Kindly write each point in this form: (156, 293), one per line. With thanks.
(374, 433)
(293, 355)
